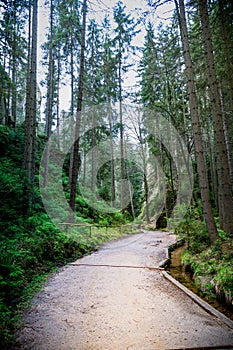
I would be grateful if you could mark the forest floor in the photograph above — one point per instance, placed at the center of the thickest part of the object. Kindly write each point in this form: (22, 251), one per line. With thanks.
(114, 299)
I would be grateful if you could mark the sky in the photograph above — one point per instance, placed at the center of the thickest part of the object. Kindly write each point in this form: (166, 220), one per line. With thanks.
(98, 9)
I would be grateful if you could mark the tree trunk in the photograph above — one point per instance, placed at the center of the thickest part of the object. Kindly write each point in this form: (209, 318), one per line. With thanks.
(199, 151)
(227, 137)
(213, 172)
(27, 124)
(226, 51)
(75, 162)
(58, 99)
(50, 94)
(93, 148)
(121, 134)
(229, 67)
(30, 117)
(113, 189)
(14, 76)
(145, 181)
(130, 190)
(138, 130)
(225, 190)
(71, 106)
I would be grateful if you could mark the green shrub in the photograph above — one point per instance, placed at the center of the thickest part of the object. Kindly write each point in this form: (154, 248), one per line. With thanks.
(224, 276)
(212, 267)
(195, 234)
(30, 244)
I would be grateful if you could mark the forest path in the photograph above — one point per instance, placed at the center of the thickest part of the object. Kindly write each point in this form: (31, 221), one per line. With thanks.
(111, 300)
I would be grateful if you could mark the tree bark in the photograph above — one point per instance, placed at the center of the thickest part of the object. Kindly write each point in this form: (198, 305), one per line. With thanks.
(225, 190)
(121, 131)
(226, 51)
(72, 105)
(58, 99)
(75, 163)
(50, 96)
(14, 75)
(199, 151)
(113, 189)
(30, 118)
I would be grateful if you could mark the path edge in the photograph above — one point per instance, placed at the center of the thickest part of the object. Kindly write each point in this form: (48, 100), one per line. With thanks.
(207, 307)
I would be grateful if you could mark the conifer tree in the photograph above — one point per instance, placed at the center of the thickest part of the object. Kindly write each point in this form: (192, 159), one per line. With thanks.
(225, 189)
(12, 61)
(124, 32)
(198, 142)
(92, 87)
(50, 91)
(75, 160)
(109, 90)
(31, 103)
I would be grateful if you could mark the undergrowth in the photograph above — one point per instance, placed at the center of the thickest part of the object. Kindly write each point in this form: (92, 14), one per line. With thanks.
(211, 265)
(31, 246)
(26, 260)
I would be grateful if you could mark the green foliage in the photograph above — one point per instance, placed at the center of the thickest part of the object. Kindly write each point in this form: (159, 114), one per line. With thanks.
(212, 267)
(30, 244)
(224, 276)
(29, 254)
(195, 234)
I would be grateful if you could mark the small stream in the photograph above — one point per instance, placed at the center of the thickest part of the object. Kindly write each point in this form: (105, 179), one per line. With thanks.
(177, 271)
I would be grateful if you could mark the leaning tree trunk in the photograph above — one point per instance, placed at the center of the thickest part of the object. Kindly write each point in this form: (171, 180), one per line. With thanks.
(198, 143)
(225, 190)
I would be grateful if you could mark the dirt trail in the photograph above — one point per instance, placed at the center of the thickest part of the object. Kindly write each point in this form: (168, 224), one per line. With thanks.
(111, 300)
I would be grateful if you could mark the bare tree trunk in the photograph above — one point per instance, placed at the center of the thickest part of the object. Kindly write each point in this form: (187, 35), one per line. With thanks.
(199, 151)
(229, 66)
(75, 163)
(113, 189)
(71, 107)
(14, 76)
(58, 100)
(93, 149)
(121, 136)
(30, 118)
(50, 94)
(213, 172)
(145, 181)
(34, 89)
(225, 190)
(137, 126)
(227, 52)
(130, 190)
(27, 121)
(227, 138)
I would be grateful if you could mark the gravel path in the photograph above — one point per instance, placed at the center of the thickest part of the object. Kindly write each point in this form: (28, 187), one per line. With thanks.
(115, 300)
